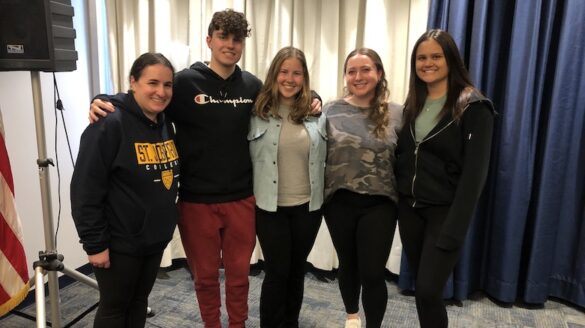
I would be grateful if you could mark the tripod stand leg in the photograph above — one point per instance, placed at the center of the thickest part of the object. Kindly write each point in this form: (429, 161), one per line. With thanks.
(45, 195)
(80, 277)
(40, 297)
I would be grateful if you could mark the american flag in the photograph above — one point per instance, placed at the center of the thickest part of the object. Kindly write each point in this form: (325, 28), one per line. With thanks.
(13, 268)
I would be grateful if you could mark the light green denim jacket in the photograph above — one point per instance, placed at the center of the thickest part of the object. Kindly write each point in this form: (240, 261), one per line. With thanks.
(263, 137)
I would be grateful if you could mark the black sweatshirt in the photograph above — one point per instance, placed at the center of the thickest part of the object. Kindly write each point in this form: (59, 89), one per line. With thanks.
(212, 115)
(125, 182)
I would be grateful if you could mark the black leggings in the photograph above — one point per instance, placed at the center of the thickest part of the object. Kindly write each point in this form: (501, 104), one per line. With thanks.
(428, 264)
(124, 289)
(362, 228)
(286, 237)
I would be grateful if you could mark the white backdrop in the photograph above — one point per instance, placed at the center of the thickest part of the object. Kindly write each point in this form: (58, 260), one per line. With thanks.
(325, 30)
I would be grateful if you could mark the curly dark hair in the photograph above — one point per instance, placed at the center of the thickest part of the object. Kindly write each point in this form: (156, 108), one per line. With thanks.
(230, 22)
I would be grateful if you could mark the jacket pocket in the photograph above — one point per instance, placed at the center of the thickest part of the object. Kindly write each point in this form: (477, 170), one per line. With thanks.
(258, 128)
(453, 172)
(258, 142)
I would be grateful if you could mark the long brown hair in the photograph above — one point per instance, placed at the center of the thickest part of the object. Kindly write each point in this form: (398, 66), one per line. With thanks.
(379, 103)
(268, 99)
(459, 87)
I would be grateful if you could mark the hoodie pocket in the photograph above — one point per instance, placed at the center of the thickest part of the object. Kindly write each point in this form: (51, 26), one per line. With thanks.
(159, 225)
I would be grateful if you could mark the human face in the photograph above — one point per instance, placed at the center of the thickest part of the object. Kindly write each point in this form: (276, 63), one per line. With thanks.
(431, 66)
(226, 50)
(290, 80)
(361, 77)
(153, 89)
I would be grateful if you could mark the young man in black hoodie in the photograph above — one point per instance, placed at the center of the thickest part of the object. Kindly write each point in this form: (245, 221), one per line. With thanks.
(211, 110)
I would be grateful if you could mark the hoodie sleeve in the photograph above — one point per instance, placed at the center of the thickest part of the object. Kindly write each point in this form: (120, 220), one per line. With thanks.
(89, 184)
(477, 128)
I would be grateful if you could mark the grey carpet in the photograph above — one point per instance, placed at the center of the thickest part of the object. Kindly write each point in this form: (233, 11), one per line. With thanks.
(174, 303)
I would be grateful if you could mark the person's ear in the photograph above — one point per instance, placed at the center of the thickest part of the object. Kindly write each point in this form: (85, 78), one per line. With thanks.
(132, 83)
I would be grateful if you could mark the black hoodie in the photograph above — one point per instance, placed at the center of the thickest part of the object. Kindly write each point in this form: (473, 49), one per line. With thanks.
(212, 116)
(125, 182)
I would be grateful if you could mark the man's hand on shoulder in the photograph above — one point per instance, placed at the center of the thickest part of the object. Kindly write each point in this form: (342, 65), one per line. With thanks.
(99, 108)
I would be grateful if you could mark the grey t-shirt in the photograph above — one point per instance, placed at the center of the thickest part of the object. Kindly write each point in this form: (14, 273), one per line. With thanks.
(357, 160)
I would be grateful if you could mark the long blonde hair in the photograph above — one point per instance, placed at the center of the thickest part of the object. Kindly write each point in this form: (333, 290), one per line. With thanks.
(268, 99)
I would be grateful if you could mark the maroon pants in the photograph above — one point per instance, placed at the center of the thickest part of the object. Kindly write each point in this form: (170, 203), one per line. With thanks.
(211, 233)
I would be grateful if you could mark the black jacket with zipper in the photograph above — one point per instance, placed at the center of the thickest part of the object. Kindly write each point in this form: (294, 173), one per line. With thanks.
(448, 167)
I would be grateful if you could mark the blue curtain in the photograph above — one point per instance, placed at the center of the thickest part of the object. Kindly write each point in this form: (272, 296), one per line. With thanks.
(527, 240)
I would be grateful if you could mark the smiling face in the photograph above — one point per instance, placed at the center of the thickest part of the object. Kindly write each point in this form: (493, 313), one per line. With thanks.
(226, 50)
(290, 80)
(361, 77)
(153, 89)
(431, 65)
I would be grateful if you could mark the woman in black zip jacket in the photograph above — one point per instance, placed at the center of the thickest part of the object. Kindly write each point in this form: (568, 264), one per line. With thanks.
(123, 193)
(442, 162)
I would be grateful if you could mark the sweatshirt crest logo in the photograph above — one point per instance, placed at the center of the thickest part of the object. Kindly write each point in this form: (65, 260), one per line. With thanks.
(203, 99)
(167, 178)
(158, 157)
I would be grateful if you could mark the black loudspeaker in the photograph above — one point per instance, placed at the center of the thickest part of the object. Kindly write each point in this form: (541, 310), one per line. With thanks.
(37, 35)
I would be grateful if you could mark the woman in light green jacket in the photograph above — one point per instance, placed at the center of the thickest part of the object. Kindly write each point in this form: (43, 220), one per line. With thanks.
(288, 148)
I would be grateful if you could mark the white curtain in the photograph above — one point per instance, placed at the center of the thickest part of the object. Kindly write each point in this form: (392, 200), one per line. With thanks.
(325, 30)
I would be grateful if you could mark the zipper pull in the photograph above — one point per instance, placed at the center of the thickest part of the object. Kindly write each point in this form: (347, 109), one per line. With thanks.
(416, 149)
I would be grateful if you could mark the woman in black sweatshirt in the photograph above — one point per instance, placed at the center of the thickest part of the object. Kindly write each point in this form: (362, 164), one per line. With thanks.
(123, 193)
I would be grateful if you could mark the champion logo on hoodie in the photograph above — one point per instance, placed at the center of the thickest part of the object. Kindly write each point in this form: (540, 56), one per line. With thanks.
(203, 99)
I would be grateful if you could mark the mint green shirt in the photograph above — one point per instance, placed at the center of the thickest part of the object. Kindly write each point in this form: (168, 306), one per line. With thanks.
(428, 117)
